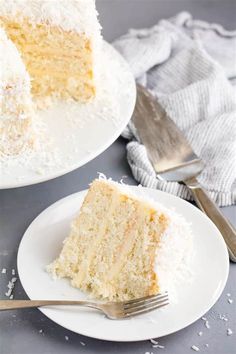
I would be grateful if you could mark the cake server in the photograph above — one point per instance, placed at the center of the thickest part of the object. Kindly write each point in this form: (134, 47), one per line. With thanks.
(174, 160)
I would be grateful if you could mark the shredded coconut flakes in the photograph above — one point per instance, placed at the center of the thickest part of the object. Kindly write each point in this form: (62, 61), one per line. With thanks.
(207, 325)
(153, 341)
(223, 318)
(195, 348)
(158, 346)
(10, 286)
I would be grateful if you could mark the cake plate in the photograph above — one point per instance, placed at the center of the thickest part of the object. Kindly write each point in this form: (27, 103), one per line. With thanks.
(42, 243)
(70, 134)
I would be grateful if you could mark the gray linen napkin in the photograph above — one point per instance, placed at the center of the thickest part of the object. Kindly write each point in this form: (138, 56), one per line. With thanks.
(190, 66)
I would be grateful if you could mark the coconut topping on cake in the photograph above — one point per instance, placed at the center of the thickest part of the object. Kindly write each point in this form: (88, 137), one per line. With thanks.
(16, 106)
(70, 15)
(14, 81)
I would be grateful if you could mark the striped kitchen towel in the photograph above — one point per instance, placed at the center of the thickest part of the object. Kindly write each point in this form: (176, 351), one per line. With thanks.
(190, 67)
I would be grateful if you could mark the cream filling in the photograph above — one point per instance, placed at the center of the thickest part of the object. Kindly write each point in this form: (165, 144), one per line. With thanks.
(130, 238)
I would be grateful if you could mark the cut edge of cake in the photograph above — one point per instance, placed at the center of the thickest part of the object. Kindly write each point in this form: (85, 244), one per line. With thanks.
(97, 260)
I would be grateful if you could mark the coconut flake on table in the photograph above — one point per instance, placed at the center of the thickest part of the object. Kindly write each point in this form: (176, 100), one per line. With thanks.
(229, 332)
(4, 271)
(153, 341)
(223, 318)
(195, 348)
(158, 346)
(10, 286)
(207, 325)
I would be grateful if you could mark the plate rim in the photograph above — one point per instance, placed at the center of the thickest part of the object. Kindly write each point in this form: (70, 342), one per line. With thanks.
(144, 338)
(98, 152)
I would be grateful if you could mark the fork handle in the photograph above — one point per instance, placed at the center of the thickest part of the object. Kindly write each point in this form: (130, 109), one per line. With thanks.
(21, 304)
(207, 205)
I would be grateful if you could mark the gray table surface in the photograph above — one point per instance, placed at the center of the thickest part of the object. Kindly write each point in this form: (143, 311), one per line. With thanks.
(29, 331)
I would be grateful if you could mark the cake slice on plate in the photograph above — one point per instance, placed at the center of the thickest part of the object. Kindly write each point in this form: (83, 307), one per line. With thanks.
(16, 107)
(58, 41)
(122, 246)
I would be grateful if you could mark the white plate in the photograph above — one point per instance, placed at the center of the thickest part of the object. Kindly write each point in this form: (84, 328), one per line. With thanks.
(42, 243)
(72, 134)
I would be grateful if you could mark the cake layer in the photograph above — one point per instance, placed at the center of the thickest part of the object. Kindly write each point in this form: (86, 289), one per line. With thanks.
(59, 63)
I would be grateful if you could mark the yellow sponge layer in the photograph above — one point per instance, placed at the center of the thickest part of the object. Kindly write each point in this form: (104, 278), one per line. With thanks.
(60, 63)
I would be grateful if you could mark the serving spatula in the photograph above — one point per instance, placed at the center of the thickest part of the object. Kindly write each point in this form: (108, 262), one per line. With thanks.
(174, 160)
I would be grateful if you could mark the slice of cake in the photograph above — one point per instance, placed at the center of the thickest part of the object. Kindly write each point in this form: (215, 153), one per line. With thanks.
(122, 246)
(16, 108)
(58, 40)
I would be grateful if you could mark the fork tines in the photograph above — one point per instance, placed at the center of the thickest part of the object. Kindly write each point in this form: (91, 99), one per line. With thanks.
(145, 304)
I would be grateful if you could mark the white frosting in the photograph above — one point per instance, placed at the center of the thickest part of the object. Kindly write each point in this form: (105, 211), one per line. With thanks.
(11, 64)
(75, 15)
(14, 81)
(174, 255)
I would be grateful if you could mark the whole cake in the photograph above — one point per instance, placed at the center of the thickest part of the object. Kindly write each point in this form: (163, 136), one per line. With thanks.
(16, 107)
(49, 49)
(122, 246)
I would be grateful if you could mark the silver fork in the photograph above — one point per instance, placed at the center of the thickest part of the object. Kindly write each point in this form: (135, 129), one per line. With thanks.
(113, 310)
